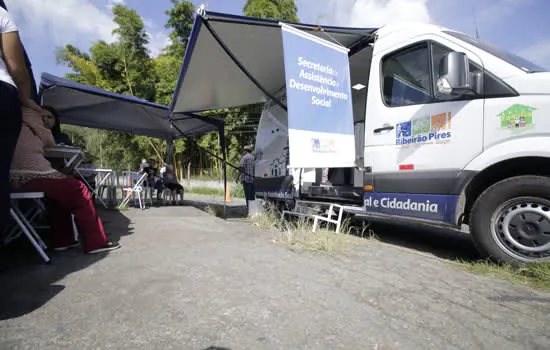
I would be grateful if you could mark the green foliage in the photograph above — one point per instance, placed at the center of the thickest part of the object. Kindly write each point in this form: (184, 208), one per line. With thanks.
(284, 10)
(180, 19)
(535, 275)
(167, 69)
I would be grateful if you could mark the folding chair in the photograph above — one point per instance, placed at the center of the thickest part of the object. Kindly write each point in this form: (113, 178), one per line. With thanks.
(24, 224)
(111, 186)
(137, 185)
(32, 213)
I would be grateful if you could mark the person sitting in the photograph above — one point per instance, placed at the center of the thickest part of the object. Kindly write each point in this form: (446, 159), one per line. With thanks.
(62, 139)
(59, 137)
(32, 172)
(152, 178)
(170, 181)
(144, 165)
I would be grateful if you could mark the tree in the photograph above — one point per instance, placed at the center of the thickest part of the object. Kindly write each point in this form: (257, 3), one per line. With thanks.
(283, 10)
(180, 19)
(123, 67)
(134, 53)
(167, 69)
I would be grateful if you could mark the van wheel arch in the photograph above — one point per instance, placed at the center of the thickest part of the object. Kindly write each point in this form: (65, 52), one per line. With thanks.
(537, 166)
(510, 221)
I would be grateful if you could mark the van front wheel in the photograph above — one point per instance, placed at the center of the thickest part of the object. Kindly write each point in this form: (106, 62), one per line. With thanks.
(510, 221)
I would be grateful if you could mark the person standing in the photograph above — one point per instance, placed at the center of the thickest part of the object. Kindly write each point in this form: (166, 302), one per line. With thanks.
(247, 174)
(15, 89)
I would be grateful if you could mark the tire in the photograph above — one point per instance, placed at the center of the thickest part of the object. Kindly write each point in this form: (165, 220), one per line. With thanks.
(510, 221)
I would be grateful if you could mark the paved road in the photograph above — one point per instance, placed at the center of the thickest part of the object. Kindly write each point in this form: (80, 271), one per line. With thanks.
(186, 280)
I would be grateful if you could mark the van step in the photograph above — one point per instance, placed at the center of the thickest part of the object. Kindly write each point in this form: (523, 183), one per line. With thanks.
(318, 211)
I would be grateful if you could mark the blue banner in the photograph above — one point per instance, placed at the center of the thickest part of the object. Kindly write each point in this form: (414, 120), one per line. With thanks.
(421, 206)
(320, 109)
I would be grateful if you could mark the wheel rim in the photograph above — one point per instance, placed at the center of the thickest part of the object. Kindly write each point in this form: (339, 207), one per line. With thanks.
(521, 228)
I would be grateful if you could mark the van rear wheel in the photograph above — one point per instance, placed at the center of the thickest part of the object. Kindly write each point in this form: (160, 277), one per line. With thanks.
(510, 221)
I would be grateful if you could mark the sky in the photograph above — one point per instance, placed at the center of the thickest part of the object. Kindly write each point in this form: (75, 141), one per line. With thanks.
(520, 26)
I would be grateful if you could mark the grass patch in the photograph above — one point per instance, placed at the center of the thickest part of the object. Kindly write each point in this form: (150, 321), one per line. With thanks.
(297, 232)
(531, 275)
(204, 178)
(237, 191)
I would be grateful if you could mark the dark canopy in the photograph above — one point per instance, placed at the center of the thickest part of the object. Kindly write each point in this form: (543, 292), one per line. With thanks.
(87, 106)
(210, 79)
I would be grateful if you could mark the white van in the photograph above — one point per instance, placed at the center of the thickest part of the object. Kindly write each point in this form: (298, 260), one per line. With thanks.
(449, 131)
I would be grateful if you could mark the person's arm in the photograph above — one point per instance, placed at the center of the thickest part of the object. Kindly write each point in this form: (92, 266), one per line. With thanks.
(34, 120)
(14, 57)
(241, 170)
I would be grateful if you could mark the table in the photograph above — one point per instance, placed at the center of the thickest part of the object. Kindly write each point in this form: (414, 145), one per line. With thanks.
(74, 154)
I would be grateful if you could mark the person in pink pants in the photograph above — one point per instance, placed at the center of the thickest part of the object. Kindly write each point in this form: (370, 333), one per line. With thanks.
(32, 172)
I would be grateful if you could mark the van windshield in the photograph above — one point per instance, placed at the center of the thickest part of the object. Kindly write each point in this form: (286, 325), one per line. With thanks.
(515, 60)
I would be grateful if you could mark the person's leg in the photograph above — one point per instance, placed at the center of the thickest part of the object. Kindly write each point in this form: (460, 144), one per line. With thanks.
(9, 133)
(247, 189)
(159, 186)
(61, 223)
(73, 196)
(252, 192)
(180, 192)
(60, 219)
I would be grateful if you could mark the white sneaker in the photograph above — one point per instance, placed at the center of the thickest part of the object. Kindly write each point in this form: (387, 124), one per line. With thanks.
(108, 247)
(61, 249)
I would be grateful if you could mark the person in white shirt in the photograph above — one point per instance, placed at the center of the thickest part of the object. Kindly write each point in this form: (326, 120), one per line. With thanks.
(15, 89)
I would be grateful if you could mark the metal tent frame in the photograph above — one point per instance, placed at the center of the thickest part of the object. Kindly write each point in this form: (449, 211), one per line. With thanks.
(356, 39)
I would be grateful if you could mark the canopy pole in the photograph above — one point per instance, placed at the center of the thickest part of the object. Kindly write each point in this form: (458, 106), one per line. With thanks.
(221, 130)
(206, 151)
(169, 149)
(241, 67)
(223, 159)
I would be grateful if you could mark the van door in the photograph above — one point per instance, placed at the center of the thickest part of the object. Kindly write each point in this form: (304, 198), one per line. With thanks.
(419, 141)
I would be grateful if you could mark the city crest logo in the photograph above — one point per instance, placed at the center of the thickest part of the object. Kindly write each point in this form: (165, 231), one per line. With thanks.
(319, 145)
(424, 130)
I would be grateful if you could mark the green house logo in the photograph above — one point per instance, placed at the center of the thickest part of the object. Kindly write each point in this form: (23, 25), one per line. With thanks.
(518, 118)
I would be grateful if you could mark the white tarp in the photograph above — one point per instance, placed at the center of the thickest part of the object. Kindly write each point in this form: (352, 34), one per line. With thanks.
(272, 141)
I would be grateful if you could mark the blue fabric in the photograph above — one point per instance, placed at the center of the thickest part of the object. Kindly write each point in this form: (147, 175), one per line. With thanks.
(88, 106)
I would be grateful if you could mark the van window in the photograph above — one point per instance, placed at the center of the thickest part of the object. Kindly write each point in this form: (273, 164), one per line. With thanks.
(406, 77)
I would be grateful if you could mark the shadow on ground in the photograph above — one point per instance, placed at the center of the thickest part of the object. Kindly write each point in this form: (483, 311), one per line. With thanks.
(444, 243)
(27, 282)
(219, 210)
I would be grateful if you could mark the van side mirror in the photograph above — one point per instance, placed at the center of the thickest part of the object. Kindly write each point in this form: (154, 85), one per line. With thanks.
(454, 75)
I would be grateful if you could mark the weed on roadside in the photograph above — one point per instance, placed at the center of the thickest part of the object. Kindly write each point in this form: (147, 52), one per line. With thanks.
(236, 191)
(297, 232)
(532, 275)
